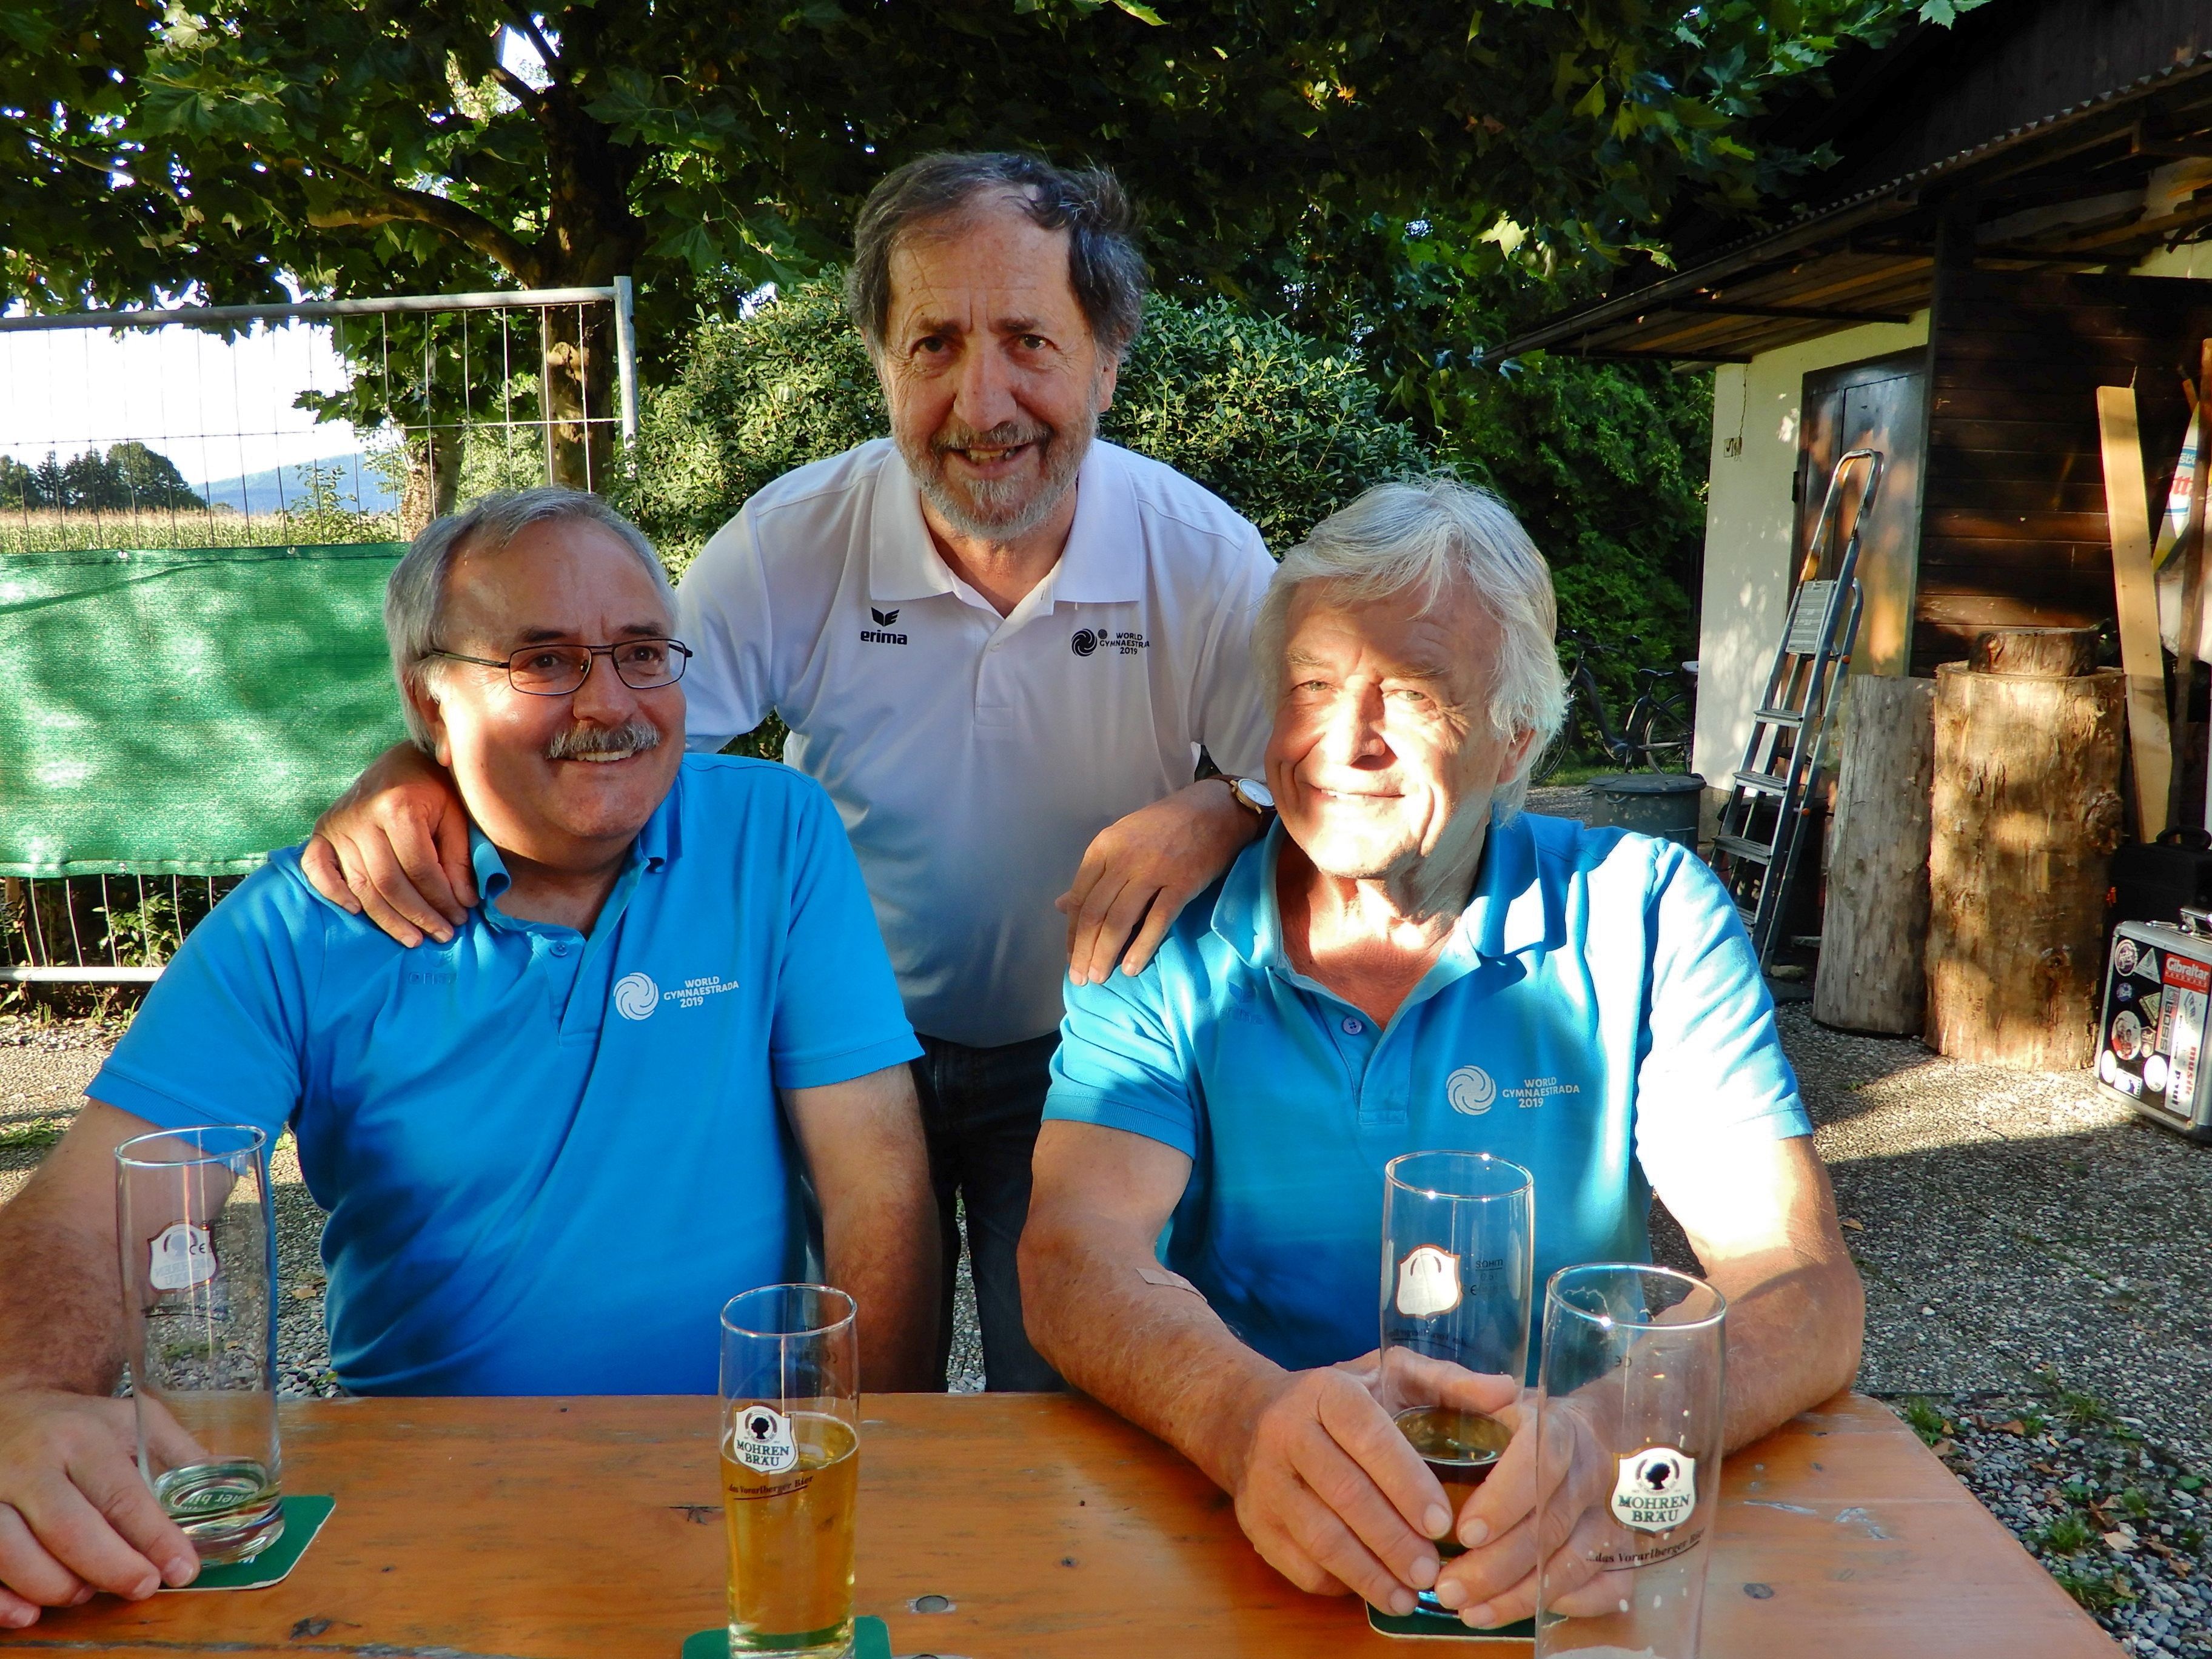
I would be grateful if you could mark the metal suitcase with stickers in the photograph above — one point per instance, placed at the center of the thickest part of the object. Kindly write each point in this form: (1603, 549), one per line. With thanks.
(2157, 981)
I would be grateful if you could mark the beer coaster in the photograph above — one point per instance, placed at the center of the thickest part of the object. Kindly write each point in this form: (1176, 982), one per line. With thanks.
(303, 1519)
(1436, 1626)
(872, 1639)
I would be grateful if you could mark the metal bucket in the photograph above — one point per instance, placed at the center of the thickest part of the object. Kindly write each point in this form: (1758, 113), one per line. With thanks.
(1652, 803)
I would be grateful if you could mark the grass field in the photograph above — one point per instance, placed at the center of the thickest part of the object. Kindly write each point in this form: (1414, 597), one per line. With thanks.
(47, 530)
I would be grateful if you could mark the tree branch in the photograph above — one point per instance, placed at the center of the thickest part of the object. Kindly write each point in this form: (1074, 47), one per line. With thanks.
(526, 24)
(391, 205)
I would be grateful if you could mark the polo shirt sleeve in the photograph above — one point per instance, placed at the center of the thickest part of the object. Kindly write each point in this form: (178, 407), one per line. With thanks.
(1713, 1063)
(722, 614)
(222, 1036)
(1119, 1065)
(1228, 706)
(837, 1011)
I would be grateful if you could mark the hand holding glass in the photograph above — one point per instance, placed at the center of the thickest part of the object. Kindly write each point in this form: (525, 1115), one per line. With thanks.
(1458, 1265)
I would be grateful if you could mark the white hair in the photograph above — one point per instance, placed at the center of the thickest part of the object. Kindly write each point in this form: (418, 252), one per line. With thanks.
(415, 597)
(1432, 535)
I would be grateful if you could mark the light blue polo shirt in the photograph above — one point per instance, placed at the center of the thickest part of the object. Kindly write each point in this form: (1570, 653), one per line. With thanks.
(548, 1159)
(1597, 1013)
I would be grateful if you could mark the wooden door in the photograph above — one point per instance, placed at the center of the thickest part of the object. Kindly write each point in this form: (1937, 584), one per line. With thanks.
(1882, 404)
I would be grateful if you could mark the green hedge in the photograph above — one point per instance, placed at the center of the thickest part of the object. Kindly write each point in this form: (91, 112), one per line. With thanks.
(1282, 432)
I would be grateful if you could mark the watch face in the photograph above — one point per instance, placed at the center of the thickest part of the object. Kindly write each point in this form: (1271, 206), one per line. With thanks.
(1256, 793)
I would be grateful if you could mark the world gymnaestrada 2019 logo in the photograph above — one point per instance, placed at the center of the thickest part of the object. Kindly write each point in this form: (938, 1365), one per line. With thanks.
(635, 996)
(1471, 1091)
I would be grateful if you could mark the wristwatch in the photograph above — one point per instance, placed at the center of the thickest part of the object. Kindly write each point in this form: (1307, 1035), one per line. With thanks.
(1253, 796)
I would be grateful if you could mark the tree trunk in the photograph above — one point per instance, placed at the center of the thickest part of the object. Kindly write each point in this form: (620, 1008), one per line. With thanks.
(2061, 652)
(1874, 936)
(434, 478)
(2026, 811)
(581, 402)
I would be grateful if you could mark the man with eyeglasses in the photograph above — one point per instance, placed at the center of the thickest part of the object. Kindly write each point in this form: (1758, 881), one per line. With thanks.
(551, 1146)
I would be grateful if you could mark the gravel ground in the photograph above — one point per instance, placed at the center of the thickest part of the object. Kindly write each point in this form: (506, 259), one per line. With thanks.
(2034, 1257)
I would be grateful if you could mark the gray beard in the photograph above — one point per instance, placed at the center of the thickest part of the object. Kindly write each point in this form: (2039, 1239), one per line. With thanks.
(992, 510)
(632, 736)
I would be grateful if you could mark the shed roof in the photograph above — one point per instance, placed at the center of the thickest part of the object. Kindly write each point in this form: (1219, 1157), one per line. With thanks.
(2095, 119)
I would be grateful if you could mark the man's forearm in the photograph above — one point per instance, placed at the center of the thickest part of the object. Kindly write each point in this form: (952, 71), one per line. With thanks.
(884, 1255)
(60, 1300)
(1144, 1344)
(1793, 1341)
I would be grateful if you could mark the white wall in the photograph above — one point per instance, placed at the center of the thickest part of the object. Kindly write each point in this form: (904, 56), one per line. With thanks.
(1748, 520)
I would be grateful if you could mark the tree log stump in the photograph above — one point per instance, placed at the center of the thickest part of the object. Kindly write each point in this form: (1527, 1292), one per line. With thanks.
(2026, 814)
(2063, 652)
(1874, 935)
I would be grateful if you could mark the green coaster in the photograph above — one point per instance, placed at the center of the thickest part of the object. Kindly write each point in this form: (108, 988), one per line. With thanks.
(303, 1519)
(872, 1639)
(1438, 1626)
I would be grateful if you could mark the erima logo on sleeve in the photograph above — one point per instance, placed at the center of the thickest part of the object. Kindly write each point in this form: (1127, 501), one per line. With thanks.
(878, 635)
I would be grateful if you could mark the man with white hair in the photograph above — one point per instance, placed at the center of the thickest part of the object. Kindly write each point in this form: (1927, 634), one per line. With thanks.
(551, 1148)
(1406, 963)
(998, 644)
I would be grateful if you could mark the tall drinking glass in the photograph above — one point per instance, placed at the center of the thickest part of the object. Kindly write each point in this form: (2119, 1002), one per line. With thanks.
(198, 1254)
(791, 1468)
(1459, 1234)
(1628, 1461)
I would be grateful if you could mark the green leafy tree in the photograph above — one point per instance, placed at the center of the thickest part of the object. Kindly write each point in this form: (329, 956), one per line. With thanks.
(355, 146)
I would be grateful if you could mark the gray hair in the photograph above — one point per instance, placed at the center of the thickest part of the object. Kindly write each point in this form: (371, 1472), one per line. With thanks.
(1430, 536)
(415, 597)
(1103, 265)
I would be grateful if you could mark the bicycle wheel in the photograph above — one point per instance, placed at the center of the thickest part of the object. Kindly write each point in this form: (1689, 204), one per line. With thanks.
(1663, 740)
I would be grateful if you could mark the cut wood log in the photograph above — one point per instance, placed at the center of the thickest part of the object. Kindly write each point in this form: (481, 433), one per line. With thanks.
(2025, 816)
(2054, 652)
(1873, 933)
(2191, 553)
(2127, 516)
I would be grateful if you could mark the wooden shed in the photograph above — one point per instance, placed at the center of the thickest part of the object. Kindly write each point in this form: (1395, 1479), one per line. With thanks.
(2018, 216)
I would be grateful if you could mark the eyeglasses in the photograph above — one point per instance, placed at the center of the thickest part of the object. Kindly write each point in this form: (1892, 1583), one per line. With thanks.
(555, 671)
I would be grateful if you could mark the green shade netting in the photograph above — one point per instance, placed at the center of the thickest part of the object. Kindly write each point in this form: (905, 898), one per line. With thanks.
(183, 711)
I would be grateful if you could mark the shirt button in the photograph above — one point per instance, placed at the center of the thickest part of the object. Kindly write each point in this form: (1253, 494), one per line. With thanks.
(1353, 1027)
(564, 948)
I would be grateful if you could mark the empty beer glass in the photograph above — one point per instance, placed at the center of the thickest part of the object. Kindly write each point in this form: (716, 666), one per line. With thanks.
(1458, 1263)
(198, 1255)
(1628, 1460)
(791, 1468)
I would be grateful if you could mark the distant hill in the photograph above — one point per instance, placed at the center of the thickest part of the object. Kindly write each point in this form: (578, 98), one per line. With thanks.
(271, 491)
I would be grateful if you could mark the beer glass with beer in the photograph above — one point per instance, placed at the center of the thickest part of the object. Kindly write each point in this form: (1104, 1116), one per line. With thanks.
(1458, 1263)
(198, 1258)
(791, 1469)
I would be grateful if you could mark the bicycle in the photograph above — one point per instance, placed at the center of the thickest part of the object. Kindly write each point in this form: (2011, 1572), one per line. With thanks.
(1655, 735)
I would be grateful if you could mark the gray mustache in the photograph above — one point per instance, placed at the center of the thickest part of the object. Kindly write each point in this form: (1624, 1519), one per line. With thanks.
(634, 736)
(1005, 435)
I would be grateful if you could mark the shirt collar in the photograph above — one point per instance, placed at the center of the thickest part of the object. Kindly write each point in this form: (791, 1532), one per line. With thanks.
(1508, 913)
(659, 841)
(1099, 565)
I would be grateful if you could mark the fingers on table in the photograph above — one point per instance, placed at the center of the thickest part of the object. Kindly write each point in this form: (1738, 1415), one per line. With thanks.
(56, 1549)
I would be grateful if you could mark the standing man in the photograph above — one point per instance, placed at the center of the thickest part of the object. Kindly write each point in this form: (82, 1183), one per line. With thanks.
(998, 644)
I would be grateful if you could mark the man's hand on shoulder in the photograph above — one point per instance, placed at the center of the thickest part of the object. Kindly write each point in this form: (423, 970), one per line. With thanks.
(75, 1516)
(396, 847)
(1140, 871)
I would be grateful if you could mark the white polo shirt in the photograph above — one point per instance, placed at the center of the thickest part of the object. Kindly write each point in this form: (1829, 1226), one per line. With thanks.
(974, 758)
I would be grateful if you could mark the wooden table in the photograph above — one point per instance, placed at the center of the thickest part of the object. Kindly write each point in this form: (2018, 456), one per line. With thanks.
(588, 1528)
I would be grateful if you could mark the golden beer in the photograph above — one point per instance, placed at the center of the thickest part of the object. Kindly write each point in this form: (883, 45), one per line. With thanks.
(1461, 1448)
(791, 1542)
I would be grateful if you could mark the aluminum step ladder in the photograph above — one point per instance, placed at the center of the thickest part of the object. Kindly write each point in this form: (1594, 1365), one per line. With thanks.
(1762, 828)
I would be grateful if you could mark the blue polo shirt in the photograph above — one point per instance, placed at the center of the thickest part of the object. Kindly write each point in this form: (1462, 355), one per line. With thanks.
(547, 1158)
(1597, 1016)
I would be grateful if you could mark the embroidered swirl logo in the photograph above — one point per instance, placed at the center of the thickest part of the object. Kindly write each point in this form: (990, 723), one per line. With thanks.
(635, 996)
(1084, 643)
(1471, 1091)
